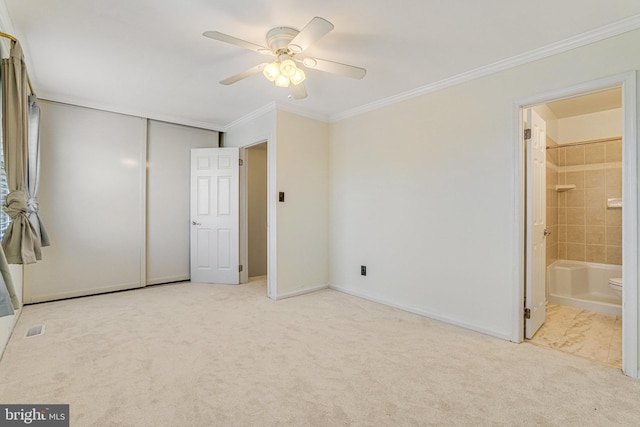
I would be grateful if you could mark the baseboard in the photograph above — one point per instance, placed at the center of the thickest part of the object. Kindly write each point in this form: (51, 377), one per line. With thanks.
(422, 312)
(302, 291)
(170, 279)
(86, 292)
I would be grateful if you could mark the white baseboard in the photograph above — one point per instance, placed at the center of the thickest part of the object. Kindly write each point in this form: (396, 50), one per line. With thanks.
(424, 313)
(170, 279)
(307, 290)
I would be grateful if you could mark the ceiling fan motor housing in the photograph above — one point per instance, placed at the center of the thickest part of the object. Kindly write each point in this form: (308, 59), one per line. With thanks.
(278, 39)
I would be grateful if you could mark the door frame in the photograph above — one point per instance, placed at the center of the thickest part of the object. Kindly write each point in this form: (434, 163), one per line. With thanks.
(630, 177)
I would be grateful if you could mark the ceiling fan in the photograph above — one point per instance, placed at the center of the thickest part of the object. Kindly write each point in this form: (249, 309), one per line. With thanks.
(287, 45)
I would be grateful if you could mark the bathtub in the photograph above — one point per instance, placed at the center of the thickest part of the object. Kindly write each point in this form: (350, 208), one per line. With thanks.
(584, 285)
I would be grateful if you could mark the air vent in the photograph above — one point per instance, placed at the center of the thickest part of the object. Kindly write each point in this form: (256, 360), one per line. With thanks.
(35, 331)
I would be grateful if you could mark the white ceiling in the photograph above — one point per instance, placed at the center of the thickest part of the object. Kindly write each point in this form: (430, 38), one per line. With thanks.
(149, 58)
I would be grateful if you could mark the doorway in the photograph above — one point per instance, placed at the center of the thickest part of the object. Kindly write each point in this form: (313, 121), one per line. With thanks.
(256, 169)
(584, 241)
(580, 226)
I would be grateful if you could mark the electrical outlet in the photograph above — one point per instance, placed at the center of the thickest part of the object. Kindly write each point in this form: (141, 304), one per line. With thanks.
(363, 270)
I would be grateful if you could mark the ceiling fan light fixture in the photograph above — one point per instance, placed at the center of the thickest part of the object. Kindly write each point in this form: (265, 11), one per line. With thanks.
(282, 81)
(288, 67)
(298, 77)
(272, 71)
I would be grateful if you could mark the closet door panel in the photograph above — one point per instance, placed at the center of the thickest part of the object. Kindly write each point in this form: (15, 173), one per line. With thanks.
(91, 201)
(168, 219)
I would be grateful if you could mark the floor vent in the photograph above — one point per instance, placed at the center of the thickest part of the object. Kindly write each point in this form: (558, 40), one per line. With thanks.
(34, 331)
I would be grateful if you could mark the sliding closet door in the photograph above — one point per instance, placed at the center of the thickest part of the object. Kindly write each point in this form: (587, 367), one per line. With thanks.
(168, 198)
(92, 202)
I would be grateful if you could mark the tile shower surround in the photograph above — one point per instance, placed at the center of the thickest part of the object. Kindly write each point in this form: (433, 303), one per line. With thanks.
(582, 227)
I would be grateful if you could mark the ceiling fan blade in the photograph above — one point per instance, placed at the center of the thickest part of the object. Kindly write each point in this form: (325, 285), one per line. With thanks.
(216, 35)
(298, 91)
(313, 31)
(333, 67)
(243, 75)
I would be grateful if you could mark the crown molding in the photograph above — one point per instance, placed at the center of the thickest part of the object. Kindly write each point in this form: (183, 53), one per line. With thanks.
(251, 116)
(276, 106)
(45, 96)
(302, 112)
(589, 37)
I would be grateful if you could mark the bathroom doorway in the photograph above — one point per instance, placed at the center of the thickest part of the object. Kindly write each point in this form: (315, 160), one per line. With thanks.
(588, 148)
(254, 195)
(583, 226)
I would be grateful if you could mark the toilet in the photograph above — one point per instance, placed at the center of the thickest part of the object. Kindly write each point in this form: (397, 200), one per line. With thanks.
(616, 285)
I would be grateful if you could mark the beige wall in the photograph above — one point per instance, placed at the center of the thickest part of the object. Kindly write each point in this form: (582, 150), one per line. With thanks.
(425, 192)
(298, 159)
(257, 209)
(303, 219)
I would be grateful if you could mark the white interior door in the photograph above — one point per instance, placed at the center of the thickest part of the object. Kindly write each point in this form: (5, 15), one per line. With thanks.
(215, 215)
(536, 223)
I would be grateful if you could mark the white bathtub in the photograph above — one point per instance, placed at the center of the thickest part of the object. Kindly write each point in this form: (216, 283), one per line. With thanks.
(584, 285)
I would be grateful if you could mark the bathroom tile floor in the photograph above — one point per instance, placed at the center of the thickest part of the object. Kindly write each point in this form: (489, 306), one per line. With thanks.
(585, 333)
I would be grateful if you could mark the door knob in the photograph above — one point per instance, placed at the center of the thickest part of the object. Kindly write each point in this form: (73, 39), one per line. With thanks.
(547, 233)
(195, 223)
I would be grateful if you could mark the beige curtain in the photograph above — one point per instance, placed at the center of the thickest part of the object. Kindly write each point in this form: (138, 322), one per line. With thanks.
(20, 243)
(8, 298)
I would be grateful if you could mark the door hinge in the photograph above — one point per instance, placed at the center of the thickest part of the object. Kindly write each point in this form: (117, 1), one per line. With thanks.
(240, 268)
(527, 313)
(240, 162)
(527, 134)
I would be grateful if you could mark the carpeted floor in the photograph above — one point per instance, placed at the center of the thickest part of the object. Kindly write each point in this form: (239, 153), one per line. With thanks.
(209, 355)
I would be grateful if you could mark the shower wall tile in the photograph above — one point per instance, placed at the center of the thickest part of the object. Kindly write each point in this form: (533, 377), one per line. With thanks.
(562, 215)
(562, 179)
(614, 255)
(594, 198)
(596, 235)
(596, 253)
(576, 234)
(552, 217)
(594, 153)
(613, 151)
(574, 155)
(595, 216)
(586, 228)
(576, 251)
(575, 178)
(575, 216)
(575, 198)
(613, 178)
(614, 236)
(594, 179)
(562, 234)
(552, 202)
(562, 156)
(562, 251)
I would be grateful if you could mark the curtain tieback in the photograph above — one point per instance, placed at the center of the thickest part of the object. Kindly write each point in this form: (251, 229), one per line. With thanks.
(32, 205)
(15, 203)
